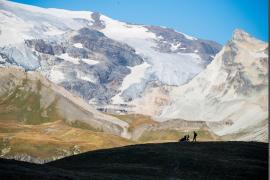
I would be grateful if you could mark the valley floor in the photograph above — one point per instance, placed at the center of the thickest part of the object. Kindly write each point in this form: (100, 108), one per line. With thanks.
(201, 160)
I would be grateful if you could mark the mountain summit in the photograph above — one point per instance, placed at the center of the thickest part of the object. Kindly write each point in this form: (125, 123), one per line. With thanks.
(241, 35)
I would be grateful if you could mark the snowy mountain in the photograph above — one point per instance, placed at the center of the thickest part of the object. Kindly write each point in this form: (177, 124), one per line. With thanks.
(231, 94)
(104, 61)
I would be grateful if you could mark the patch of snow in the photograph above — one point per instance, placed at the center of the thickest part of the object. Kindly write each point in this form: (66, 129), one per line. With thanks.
(56, 75)
(78, 45)
(90, 61)
(160, 37)
(189, 37)
(73, 60)
(117, 30)
(175, 46)
(53, 31)
(85, 77)
(117, 99)
(66, 57)
(196, 51)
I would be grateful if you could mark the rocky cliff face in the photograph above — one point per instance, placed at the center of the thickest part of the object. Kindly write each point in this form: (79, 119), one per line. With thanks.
(171, 41)
(92, 65)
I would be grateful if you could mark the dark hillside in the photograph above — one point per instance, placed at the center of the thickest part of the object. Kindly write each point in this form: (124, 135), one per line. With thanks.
(203, 160)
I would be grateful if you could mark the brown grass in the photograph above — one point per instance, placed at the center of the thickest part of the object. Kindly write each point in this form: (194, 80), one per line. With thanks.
(53, 139)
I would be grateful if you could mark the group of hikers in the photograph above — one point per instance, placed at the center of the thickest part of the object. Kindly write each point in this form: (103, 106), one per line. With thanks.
(186, 138)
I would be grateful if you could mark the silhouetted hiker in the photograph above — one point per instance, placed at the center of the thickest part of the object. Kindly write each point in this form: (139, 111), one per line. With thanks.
(183, 139)
(187, 137)
(194, 136)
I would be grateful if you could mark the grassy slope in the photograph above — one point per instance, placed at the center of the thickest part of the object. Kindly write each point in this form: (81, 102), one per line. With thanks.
(23, 105)
(188, 161)
(26, 130)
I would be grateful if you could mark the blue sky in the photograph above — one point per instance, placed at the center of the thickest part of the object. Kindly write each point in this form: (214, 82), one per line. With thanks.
(207, 19)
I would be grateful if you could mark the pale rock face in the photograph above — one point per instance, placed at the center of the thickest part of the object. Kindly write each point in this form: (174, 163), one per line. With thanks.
(232, 89)
(153, 101)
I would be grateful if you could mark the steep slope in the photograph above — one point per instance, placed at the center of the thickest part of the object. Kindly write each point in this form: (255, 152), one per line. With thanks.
(100, 59)
(41, 121)
(231, 93)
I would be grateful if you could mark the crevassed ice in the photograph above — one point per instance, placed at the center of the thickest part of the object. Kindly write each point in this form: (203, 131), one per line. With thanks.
(136, 75)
